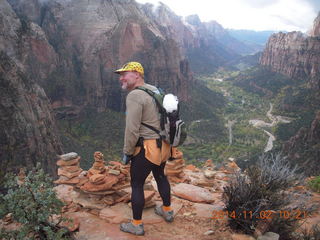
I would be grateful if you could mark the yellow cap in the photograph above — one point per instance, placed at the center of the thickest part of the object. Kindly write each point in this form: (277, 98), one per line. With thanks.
(131, 67)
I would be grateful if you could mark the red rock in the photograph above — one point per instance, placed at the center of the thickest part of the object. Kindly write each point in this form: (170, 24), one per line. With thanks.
(97, 178)
(72, 225)
(75, 161)
(98, 156)
(114, 163)
(98, 166)
(193, 193)
(109, 182)
(74, 180)
(71, 169)
(170, 172)
(68, 174)
(148, 195)
(191, 167)
(92, 171)
(176, 153)
(241, 237)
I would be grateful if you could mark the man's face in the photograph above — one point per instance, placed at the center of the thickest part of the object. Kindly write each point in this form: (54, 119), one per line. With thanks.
(128, 80)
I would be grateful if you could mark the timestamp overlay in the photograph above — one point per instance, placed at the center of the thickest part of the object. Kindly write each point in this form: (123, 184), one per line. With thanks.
(263, 215)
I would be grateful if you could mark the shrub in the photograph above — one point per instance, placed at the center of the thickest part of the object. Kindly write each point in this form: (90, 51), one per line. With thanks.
(33, 204)
(314, 184)
(312, 234)
(261, 190)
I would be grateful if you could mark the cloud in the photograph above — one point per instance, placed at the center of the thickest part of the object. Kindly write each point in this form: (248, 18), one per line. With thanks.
(259, 3)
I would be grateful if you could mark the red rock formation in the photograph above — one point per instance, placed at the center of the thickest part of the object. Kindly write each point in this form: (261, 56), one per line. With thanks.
(295, 55)
(92, 39)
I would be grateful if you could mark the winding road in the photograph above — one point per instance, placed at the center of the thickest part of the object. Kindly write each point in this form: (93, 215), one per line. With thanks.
(274, 121)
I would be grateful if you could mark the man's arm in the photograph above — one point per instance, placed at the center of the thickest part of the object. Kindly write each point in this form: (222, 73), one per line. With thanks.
(133, 122)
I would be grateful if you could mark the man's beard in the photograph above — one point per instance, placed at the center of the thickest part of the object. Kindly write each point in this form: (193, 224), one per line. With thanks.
(124, 86)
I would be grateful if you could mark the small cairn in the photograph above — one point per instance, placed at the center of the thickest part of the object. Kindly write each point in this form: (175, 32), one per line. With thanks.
(69, 169)
(100, 182)
(174, 168)
(106, 182)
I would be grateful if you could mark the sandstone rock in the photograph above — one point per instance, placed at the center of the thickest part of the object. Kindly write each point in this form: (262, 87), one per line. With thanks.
(72, 225)
(71, 169)
(241, 237)
(124, 171)
(192, 168)
(114, 163)
(98, 156)
(97, 178)
(269, 236)
(65, 193)
(98, 165)
(209, 232)
(114, 172)
(68, 174)
(93, 171)
(172, 172)
(68, 156)
(209, 174)
(204, 210)
(148, 195)
(65, 180)
(193, 193)
(75, 161)
(109, 182)
(176, 153)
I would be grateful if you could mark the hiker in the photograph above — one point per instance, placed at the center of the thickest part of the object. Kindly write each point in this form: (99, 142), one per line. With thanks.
(142, 147)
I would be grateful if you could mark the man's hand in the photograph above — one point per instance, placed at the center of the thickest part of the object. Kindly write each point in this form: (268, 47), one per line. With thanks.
(126, 159)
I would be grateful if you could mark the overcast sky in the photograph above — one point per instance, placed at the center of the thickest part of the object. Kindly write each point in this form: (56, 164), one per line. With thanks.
(287, 15)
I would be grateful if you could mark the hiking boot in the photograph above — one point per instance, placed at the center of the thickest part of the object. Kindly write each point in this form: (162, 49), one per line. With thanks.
(131, 228)
(167, 215)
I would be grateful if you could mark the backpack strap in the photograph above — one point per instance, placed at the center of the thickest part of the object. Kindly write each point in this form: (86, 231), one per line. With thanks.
(162, 111)
(159, 140)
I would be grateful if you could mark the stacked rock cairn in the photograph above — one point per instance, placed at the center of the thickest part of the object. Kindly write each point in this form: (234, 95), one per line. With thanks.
(69, 169)
(174, 168)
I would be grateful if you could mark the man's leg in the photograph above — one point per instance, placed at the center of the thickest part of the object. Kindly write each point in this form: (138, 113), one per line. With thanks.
(162, 183)
(164, 189)
(139, 171)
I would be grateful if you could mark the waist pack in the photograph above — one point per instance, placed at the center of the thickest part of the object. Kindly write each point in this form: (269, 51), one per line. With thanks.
(173, 129)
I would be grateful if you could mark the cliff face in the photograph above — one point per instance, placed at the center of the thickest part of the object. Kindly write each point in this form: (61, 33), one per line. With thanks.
(27, 128)
(93, 39)
(304, 147)
(294, 55)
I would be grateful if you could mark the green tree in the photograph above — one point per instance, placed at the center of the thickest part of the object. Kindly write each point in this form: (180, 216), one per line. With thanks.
(34, 204)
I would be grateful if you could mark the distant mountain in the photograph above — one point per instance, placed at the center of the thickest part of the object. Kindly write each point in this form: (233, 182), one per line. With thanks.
(254, 39)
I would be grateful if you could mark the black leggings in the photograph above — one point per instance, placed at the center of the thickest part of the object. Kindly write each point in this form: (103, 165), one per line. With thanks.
(140, 169)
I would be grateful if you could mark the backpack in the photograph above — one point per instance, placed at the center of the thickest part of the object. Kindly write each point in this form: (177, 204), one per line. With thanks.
(173, 129)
